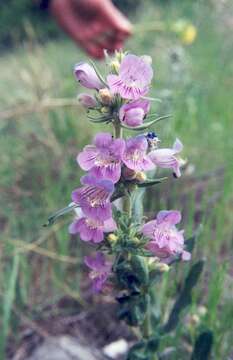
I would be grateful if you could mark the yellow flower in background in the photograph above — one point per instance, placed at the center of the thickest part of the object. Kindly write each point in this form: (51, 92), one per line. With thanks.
(189, 35)
(186, 31)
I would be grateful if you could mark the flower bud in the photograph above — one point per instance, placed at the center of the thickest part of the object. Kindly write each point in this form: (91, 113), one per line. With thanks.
(115, 66)
(194, 320)
(134, 112)
(140, 176)
(87, 101)
(202, 311)
(87, 76)
(104, 110)
(112, 238)
(136, 240)
(128, 173)
(162, 267)
(105, 96)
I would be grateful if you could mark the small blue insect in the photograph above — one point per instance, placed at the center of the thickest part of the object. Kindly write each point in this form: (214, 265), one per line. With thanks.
(152, 139)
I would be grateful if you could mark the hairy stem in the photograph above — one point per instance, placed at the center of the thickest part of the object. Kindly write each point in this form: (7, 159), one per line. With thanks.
(127, 204)
(146, 326)
(118, 133)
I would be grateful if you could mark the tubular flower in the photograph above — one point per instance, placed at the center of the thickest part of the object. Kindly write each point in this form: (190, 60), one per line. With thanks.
(134, 112)
(94, 197)
(135, 156)
(100, 270)
(134, 78)
(87, 101)
(103, 159)
(165, 239)
(90, 229)
(87, 76)
(166, 158)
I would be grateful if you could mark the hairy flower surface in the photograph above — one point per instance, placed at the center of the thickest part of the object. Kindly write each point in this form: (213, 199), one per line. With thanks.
(134, 112)
(165, 239)
(94, 197)
(134, 78)
(167, 158)
(91, 229)
(87, 76)
(135, 156)
(100, 270)
(103, 159)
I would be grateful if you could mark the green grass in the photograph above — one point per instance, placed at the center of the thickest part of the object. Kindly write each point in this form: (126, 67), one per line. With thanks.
(38, 169)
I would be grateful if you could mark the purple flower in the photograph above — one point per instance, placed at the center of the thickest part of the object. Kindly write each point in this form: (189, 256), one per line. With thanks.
(133, 113)
(166, 158)
(165, 239)
(94, 197)
(135, 156)
(134, 78)
(100, 270)
(87, 76)
(91, 229)
(87, 101)
(103, 159)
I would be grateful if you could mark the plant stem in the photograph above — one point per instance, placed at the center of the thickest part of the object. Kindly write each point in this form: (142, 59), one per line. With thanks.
(146, 326)
(127, 204)
(118, 133)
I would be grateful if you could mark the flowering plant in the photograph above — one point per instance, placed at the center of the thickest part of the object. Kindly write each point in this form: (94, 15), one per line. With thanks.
(130, 252)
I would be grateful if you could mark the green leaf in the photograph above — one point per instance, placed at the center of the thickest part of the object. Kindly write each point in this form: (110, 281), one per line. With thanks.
(9, 297)
(100, 119)
(184, 298)
(203, 346)
(151, 182)
(138, 351)
(140, 269)
(60, 213)
(146, 124)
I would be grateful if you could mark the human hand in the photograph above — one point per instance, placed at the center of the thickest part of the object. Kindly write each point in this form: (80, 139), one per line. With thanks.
(94, 25)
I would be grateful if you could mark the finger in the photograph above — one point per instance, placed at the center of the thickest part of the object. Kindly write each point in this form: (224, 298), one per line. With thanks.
(116, 19)
(94, 50)
(109, 43)
(62, 11)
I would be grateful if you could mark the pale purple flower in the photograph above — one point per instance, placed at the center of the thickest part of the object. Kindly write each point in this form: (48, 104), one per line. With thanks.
(100, 270)
(165, 239)
(135, 156)
(134, 78)
(87, 76)
(134, 112)
(167, 158)
(91, 229)
(94, 197)
(87, 101)
(103, 159)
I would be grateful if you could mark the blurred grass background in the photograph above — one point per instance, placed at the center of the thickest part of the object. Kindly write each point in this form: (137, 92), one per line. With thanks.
(38, 169)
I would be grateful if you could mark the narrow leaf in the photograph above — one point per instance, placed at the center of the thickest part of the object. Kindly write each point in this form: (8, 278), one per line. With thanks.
(60, 213)
(98, 73)
(146, 124)
(10, 295)
(151, 182)
(184, 298)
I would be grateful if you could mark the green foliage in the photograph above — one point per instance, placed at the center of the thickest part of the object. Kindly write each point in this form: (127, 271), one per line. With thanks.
(184, 299)
(15, 17)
